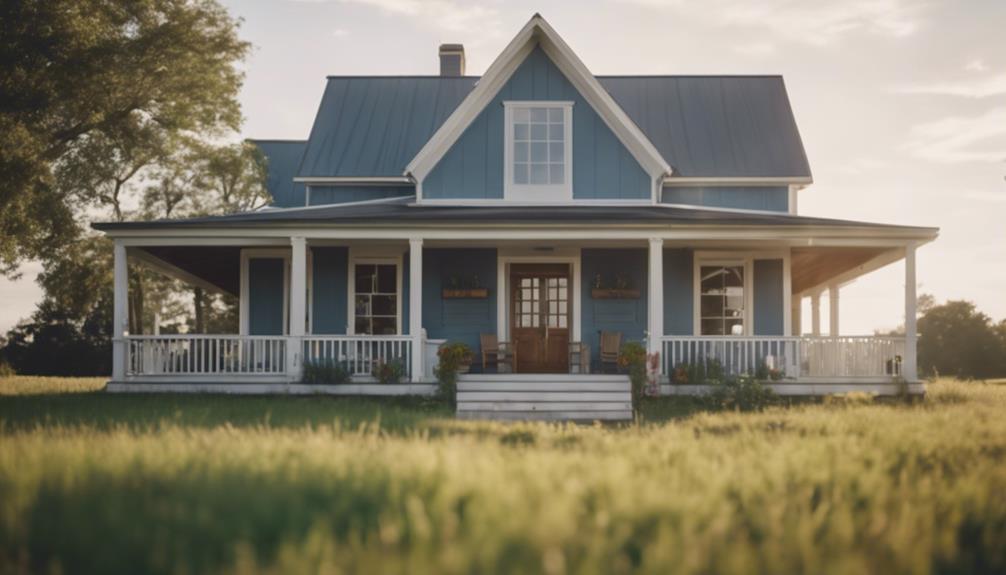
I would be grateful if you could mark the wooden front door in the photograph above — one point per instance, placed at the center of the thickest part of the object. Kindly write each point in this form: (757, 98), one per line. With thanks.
(540, 316)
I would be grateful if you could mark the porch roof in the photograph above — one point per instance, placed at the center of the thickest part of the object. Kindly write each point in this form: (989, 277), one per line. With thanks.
(406, 211)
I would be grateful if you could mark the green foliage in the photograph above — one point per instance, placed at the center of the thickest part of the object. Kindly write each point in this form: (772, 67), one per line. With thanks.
(94, 93)
(325, 371)
(389, 372)
(451, 357)
(956, 339)
(632, 357)
(698, 373)
(99, 483)
(740, 393)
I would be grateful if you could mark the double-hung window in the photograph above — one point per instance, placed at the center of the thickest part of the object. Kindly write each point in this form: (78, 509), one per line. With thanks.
(722, 299)
(376, 302)
(538, 151)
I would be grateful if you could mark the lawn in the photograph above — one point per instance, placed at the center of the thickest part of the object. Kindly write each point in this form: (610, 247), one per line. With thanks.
(94, 483)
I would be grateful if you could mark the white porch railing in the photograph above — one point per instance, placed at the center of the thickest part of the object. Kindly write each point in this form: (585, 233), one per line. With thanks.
(202, 355)
(359, 354)
(795, 357)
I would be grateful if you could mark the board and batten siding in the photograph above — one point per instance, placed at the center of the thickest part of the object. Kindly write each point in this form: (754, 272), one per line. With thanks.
(329, 311)
(765, 198)
(266, 296)
(461, 319)
(768, 298)
(602, 167)
(678, 287)
(324, 195)
(627, 316)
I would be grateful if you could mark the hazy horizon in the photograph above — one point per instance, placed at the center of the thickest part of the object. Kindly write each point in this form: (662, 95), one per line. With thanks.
(901, 104)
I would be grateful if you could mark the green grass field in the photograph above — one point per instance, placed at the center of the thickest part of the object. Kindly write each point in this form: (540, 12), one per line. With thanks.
(94, 483)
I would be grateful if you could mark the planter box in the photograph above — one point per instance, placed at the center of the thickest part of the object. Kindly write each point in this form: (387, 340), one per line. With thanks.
(475, 293)
(614, 293)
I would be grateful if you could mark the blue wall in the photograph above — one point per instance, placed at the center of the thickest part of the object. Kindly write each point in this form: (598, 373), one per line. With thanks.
(768, 297)
(459, 319)
(329, 289)
(320, 195)
(624, 315)
(678, 292)
(265, 296)
(602, 167)
(769, 198)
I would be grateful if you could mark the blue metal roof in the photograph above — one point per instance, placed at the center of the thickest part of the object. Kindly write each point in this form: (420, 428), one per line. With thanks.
(283, 157)
(704, 126)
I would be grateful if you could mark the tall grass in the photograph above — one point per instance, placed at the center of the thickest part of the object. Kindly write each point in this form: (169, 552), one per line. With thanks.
(843, 487)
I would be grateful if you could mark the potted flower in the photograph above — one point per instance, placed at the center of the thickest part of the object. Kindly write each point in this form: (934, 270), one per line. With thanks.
(456, 356)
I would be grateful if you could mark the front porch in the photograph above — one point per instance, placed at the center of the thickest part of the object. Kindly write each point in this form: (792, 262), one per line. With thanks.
(320, 305)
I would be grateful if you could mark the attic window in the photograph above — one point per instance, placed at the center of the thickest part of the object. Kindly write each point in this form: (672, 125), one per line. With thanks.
(538, 151)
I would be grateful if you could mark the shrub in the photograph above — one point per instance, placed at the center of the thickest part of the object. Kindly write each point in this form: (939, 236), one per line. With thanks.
(743, 393)
(451, 356)
(325, 371)
(642, 369)
(389, 372)
(709, 371)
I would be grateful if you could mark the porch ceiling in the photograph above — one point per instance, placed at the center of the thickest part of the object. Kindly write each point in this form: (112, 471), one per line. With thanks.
(217, 265)
(812, 267)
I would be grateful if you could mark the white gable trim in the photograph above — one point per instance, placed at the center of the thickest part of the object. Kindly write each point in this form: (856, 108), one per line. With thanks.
(537, 32)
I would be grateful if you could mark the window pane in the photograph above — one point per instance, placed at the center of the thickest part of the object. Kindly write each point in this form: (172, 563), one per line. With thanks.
(712, 306)
(520, 151)
(538, 132)
(734, 306)
(555, 114)
(362, 326)
(733, 276)
(556, 153)
(520, 131)
(712, 327)
(712, 279)
(364, 278)
(387, 282)
(539, 152)
(735, 327)
(362, 305)
(521, 115)
(539, 114)
(385, 326)
(555, 132)
(539, 174)
(520, 173)
(384, 305)
(556, 174)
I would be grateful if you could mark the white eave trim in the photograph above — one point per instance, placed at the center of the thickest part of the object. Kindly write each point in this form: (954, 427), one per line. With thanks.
(710, 181)
(349, 180)
(537, 32)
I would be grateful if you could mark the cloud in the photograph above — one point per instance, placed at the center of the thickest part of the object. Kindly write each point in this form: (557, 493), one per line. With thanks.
(960, 139)
(814, 22)
(976, 88)
(977, 65)
(340, 32)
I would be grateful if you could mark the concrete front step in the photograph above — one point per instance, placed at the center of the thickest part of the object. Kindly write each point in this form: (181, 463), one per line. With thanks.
(552, 397)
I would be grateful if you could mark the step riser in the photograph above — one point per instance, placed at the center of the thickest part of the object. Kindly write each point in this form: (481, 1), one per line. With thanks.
(622, 415)
(543, 386)
(541, 397)
(551, 406)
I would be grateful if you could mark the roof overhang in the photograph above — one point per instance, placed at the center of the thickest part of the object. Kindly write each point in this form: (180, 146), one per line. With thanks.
(537, 32)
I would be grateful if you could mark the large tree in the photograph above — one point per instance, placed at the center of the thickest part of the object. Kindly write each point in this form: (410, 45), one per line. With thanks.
(93, 92)
(956, 339)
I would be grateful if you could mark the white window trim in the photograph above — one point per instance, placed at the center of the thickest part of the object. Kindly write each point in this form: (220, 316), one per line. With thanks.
(549, 193)
(246, 256)
(371, 257)
(747, 259)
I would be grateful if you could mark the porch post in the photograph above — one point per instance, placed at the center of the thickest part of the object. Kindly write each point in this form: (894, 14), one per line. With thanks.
(815, 314)
(796, 328)
(910, 368)
(655, 303)
(416, 306)
(120, 312)
(833, 310)
(298, 307)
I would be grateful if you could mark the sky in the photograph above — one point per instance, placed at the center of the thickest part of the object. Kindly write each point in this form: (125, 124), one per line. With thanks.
(901, 104)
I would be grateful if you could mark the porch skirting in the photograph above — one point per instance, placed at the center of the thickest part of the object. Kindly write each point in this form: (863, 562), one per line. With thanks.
(812, 389)
(277, 388)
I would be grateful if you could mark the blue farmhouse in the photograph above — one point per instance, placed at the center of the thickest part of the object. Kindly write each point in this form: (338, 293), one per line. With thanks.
(542, 216)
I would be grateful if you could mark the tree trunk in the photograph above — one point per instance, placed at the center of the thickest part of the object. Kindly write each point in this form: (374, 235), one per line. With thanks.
(199, 299)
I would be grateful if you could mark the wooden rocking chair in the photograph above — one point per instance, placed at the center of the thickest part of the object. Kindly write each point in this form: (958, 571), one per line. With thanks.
(611, 345)
(497, 354)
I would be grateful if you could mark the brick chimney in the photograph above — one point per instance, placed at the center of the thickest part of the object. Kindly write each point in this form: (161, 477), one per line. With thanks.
(452, 60)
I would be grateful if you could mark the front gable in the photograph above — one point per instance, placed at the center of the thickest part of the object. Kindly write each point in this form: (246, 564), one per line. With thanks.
(473, 167)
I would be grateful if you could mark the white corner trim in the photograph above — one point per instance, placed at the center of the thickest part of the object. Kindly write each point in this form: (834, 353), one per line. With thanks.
(537, 32)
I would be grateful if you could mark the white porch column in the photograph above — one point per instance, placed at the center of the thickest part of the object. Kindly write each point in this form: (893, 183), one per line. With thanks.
(120, 313)
(815, 314)
(796, 311)
(833, 310)
(655, 295)
(910, 367)
(298, 307)
(416, 306)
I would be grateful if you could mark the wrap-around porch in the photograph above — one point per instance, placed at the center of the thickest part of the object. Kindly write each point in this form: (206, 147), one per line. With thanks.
(361, 301)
